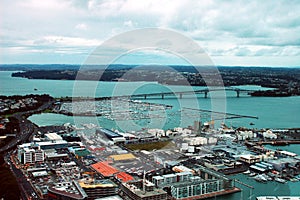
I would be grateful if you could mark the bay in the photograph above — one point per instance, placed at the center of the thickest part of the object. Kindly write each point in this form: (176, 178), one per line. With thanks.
(280, 112)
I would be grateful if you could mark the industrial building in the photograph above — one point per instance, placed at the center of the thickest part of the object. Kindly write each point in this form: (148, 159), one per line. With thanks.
(122, 157)
(123, 177)
(53, 137)
(108, 171)
(113, 136)
(282, 163)
(104, 169)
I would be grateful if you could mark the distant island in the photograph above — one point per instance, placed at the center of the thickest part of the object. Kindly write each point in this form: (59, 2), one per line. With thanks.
(286, 81)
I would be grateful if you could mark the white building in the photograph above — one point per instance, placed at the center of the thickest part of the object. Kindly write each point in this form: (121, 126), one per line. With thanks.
(53, 137)
(269, 134)
(30, 155)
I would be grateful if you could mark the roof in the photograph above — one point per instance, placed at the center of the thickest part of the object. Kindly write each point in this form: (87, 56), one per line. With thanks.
(124, 177)
(82, 153)
(109, 133)
(40, 173)
(288, 153)
(257, 168)
(104, 168)
(105, 183)
(127, 156)
(248, 156)
(53, 136)
(110, 198)
(68, 189)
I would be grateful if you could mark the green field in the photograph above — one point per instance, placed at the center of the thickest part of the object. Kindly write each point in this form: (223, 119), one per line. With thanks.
(151, 146)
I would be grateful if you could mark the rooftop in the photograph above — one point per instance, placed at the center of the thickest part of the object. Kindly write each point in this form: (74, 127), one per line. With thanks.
(119, 157)
(109, 133)
(124, 177)
(104, 168)
(97, 183)
(68, 189)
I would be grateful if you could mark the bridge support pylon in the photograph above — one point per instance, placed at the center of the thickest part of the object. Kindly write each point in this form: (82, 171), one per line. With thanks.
(237, 93)
(205, 94)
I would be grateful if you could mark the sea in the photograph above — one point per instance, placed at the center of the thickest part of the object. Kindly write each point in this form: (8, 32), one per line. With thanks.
(269, 112)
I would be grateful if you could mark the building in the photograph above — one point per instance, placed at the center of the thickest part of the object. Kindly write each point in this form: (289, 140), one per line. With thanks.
(182, 168)
(169, 179)
(66, 191)
(282, 163)
(123, 177)
(30, 155)
(104, 169)
(113, 136)
(60, 144)
(98, 188)
(142, 190)
(190, 189)
(249, 159)
(53, 137)
(208, 184)
(122, 157)
(53, 155)
(167, 156)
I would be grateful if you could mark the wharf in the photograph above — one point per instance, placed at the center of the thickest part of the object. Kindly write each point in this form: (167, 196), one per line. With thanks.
(279, 142)
(213, 194)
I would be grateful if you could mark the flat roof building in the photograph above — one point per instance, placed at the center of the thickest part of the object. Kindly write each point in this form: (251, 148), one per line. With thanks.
(66, 190)
(98, 188)
(122, 157)
(124, 177)
(104, 169)
(142, 190)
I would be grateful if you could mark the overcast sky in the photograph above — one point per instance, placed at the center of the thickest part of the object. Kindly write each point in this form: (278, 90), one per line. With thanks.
(250, 33)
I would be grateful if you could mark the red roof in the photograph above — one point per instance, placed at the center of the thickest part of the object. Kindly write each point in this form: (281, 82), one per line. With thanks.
(104, 168)
(124, 177)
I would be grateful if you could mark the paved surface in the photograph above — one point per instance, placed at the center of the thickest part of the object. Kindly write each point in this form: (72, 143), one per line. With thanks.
(27, 128)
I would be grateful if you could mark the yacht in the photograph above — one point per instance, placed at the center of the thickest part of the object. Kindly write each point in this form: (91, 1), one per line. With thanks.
(280, 180)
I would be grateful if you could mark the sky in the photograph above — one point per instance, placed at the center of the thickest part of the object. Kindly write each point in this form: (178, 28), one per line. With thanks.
(233, 33)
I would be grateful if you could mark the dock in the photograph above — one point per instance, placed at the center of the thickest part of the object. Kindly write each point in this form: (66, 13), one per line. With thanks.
(213, 194)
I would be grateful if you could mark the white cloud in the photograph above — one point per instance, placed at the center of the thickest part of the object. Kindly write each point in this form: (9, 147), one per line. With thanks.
(81, 26)
(223, 28)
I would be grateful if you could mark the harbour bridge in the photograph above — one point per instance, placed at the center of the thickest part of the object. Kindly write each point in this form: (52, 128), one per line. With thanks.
(204, 91)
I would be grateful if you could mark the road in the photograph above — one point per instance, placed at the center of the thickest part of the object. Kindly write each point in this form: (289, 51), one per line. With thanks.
(27, 128)
(26, 190)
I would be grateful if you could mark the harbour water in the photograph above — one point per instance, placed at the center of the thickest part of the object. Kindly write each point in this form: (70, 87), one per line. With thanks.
(281, 112)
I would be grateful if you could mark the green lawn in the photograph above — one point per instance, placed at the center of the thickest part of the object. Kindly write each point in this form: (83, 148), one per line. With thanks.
(151, 146)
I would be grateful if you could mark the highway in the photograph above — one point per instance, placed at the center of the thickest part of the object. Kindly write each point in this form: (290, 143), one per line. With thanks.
(26, 190)
(27, 128)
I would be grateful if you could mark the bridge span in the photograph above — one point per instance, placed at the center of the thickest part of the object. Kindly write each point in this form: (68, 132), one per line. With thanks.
(189, 92)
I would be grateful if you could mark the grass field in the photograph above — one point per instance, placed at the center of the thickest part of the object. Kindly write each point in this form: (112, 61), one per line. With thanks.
(151, 146)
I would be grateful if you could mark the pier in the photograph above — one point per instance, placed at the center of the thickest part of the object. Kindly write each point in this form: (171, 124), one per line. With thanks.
(279, 142)
(221, 114)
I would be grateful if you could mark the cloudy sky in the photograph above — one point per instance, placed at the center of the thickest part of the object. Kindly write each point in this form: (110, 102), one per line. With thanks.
(250, 33)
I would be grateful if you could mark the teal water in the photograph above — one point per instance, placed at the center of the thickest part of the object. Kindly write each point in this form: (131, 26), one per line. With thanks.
(272, 113)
